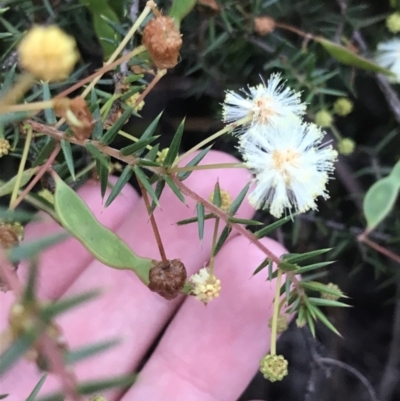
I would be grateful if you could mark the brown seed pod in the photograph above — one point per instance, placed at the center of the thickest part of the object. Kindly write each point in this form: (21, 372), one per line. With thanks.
(163, 41)
(168, 279)
(77, 114)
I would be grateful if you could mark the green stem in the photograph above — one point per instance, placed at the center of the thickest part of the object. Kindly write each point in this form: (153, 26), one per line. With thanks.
(228, 128)
(46, 104)
(21, 167)
(335, 132)
(214, 242)
(274, 328)
(206, 167)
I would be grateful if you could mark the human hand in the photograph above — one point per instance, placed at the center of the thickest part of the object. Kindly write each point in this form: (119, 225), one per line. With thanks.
(207, 352)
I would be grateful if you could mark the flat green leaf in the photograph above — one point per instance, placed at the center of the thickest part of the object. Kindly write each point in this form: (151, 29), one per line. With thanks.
(106, 34)
(234, 207)
(180, 8)
(119, 185)
(173, 150)
(379, 201)
(200, 217)
(194, 162)
(69, 159)
(271, 227)
(88, 351)
(35, 391)
(345, 56)
(97, 155)
(395, 173)
(102, 243)
(6, 188)
(110, 135)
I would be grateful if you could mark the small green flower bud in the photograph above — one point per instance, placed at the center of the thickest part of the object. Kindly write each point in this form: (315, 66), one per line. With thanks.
(343, 106)
(162, 155)
(346, 146)
(4, 147)
(331, 297)
(274, 367)
(393, 22)
(47, 195)
(323, 118)
(282, 323)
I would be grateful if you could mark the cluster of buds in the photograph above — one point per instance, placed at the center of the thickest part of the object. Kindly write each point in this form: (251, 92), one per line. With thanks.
(10, 235)
(274, 367)
(283, 323)
(205, 286)
(4, 147)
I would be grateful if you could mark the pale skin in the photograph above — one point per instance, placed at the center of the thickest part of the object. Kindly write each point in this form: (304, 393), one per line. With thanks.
(207, 353)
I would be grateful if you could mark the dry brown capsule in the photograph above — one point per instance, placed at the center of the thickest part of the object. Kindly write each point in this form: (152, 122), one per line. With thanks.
(163, 41)
(8, 239)
(77, 114)
(167, 279)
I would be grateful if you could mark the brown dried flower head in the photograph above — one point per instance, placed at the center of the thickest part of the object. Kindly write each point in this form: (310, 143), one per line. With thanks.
(163, 41)
(168, 279)
(263, 25)
(77, 114)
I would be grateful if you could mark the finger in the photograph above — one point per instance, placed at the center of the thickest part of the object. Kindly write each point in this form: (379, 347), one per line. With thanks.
(128, 309)
(212, 352)
(62, 263)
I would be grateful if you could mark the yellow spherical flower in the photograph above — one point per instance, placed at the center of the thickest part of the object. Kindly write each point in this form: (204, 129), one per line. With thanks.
(226, 199)
(48, 53)
(323, 118)
(393, 22)
(346, 146)
(131, 102)
(343, 106)
(205, 285)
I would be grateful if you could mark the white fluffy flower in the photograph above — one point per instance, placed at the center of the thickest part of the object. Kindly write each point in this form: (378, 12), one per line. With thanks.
(290, 164)
(263, 103)
(388, 56)
(206, 286)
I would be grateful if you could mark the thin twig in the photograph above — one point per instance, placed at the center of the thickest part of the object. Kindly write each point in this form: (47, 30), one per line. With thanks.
(379, 248)
(355, 372)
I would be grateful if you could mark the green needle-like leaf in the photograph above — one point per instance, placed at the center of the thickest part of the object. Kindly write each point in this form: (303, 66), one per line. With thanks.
(67, 151)
(174, 188)
(89, 351)
(35, 391)
(110, 135)
(221, 240)
(194, 219)
(119, 185)
(296, 258)
(234, 207)
(194, 162)
(135, 147)
(97, 154)
(175, 145)
(141, 176)
(271, 227)
(200, 217)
